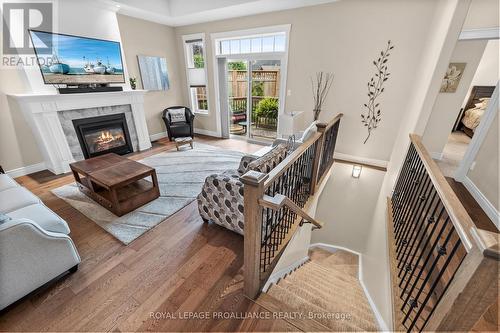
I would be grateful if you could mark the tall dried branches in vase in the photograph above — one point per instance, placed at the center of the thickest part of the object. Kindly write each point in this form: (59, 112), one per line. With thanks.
(320, 87)
(372, 116)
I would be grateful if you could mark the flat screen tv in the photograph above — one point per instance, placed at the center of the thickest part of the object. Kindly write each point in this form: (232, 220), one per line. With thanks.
(76, 60)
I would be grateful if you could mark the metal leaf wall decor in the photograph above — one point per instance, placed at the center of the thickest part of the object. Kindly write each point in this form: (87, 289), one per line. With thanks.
(373, 114)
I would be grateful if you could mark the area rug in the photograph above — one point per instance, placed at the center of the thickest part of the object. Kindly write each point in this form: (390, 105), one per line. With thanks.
(180, 176)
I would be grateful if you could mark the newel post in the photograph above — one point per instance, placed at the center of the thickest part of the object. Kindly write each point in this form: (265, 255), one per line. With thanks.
(253, 191)
(317, 157)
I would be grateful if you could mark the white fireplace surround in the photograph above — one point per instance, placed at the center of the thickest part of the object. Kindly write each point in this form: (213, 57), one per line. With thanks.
(40, 111)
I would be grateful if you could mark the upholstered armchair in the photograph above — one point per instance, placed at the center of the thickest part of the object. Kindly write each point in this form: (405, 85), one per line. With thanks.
(178, 128)
(221, 197)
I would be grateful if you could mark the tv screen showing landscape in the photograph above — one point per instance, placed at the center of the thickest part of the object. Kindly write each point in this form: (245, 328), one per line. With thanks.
(66, 59)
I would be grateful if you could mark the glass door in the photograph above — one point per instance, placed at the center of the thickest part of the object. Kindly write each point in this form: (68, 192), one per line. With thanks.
(237, 92)
(253, 90)
(264, 98)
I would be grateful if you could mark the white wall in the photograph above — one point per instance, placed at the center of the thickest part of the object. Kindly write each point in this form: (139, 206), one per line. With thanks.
(164, 45)
(488, 71)
(447, 105)
(482, 14)
(346, 207)
(485, 174)
(344, 38)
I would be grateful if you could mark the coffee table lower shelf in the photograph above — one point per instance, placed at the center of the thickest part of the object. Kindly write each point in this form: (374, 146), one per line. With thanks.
(129, 197)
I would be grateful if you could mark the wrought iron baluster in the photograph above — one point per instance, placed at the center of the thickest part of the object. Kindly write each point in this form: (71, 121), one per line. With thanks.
(413, 218)
(423, 226)
(441, 252)
(408, 206)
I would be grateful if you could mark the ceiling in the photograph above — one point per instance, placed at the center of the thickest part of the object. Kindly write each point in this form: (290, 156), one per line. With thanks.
(184, 12)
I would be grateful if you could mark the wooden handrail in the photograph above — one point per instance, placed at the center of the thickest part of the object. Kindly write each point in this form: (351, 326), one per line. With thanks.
(287, 188)
(470, 266)
(331, 122)
(458, 215)
(282, 167)
(279, 201)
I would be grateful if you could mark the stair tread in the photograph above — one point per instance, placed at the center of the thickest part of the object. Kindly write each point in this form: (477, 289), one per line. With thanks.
(274, 305)
(341, 258)
(354, 304)
(304, 306)
(331, 276)
(327, 284)
(332, 271)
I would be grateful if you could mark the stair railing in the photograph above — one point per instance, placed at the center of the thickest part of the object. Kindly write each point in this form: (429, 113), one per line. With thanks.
(274, 203)
(444, 270)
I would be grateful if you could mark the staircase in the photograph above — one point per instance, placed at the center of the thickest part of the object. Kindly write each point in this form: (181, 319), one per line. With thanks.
(327, 293)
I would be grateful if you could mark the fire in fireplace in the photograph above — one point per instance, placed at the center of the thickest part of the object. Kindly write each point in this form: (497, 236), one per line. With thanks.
(103, 134)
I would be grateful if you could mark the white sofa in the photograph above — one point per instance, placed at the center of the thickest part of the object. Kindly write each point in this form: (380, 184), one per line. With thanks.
(34, 244)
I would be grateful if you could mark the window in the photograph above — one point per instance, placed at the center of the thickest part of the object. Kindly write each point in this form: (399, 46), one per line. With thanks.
(274, 42)
(194, 46)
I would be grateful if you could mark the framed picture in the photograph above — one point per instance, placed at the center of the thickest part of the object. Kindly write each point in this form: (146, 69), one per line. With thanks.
(154, 74)
(452, 77)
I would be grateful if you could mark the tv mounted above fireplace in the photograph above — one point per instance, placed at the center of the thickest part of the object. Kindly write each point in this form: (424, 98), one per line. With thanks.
(103, 134)
(82, 63)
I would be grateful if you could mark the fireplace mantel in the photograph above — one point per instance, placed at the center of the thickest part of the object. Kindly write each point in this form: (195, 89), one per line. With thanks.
(40, 111)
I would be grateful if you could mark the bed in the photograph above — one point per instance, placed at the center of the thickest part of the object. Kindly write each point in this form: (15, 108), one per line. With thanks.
(470, 115)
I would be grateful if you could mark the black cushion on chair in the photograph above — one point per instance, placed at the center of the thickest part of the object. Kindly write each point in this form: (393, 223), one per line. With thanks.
(179, 129)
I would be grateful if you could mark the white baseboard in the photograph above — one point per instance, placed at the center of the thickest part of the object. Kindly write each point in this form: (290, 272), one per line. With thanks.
(206, 132)
(23, 171)
(380, 321)
(157, 136)
(437, 156)
(275, 277)
(161, 135)
(333, 248)
(485, 204)
(361, 160)
(382, 325)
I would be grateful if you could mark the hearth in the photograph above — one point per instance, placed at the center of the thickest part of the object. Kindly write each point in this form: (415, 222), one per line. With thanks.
(103, 134)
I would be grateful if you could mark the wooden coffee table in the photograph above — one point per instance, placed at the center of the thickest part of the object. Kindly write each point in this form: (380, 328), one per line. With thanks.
(116, 182)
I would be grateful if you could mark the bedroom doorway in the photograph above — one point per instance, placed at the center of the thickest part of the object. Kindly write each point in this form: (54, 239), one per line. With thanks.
(477, 79)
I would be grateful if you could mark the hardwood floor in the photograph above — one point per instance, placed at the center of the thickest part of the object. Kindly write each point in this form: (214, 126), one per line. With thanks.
(181, 265)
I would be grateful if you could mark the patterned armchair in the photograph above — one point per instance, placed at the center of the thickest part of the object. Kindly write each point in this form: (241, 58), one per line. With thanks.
(221, 198)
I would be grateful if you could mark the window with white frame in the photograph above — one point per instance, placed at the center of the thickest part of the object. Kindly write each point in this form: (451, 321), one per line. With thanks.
(263, 43)
(196, 72)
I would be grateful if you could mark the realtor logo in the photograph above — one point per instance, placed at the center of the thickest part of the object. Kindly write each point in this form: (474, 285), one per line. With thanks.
(18, 17)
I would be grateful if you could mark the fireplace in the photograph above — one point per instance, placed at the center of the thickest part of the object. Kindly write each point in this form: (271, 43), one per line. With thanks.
(103, 134)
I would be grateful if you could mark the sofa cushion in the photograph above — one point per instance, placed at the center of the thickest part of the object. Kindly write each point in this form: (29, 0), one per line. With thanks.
(15, 198)
(43, 216)
(244, 162)
(7, 182)
(267, 162)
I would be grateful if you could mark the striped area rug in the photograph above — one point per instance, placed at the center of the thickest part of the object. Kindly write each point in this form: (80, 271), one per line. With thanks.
(180, 176)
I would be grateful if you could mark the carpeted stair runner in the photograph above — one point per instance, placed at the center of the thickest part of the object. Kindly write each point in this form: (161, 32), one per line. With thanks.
(327, 290)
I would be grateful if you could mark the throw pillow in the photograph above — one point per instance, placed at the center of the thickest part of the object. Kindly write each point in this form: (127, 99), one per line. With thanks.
(309, 132)
(245, 162)
(177, 115)
(4, 218)
(267, 162)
